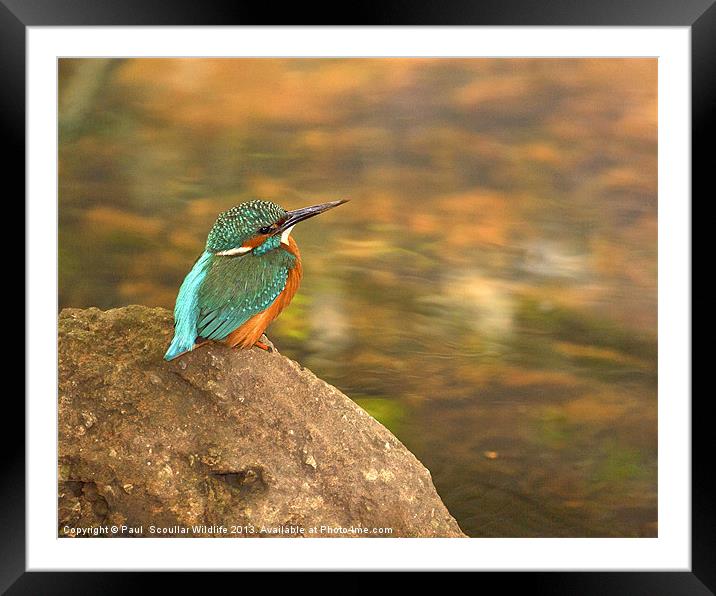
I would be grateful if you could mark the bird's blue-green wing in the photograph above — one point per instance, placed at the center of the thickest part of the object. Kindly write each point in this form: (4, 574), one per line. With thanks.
(236, 288)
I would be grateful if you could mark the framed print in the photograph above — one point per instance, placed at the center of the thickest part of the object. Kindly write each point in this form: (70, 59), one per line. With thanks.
(407, 294)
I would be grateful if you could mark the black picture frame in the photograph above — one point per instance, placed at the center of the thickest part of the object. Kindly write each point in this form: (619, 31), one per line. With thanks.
(699, 15)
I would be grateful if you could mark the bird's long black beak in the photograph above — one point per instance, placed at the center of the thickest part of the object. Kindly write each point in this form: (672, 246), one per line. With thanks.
(293, 217)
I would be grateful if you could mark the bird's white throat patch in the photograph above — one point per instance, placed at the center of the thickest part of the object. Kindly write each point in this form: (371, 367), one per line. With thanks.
(239, 250)
(284, 236)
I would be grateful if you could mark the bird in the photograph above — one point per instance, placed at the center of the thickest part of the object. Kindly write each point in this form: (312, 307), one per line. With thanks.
(248, 273)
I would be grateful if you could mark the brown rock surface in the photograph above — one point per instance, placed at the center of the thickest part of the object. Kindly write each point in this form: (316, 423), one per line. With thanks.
(220, 437)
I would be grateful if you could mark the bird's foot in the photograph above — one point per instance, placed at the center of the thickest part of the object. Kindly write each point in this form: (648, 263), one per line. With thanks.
(265, 345)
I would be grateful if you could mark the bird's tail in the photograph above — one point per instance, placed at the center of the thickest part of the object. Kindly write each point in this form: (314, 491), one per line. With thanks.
(178, 347)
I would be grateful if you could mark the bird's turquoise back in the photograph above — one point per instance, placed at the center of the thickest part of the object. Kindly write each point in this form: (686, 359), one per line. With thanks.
(221, 293)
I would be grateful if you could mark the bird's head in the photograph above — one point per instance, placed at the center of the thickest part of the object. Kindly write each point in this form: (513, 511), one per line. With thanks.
(257, 227)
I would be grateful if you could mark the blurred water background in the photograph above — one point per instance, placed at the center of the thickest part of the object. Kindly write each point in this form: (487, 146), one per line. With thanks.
(490, 292)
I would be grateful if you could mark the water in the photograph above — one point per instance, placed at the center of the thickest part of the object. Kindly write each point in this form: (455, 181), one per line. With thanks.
(489, 293)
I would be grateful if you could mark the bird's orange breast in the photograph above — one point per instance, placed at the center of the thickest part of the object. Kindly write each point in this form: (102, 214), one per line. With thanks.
(249, 333)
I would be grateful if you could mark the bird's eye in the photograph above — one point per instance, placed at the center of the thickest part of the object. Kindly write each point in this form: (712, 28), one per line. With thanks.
(265, 230)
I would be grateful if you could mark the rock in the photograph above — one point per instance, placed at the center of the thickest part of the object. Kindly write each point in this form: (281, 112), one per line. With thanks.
(220, 442)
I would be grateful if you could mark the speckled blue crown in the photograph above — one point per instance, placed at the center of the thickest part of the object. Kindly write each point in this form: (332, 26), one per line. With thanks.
(240, 223)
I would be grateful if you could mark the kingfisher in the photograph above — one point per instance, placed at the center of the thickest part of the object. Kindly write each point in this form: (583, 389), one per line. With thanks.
(248, 273)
